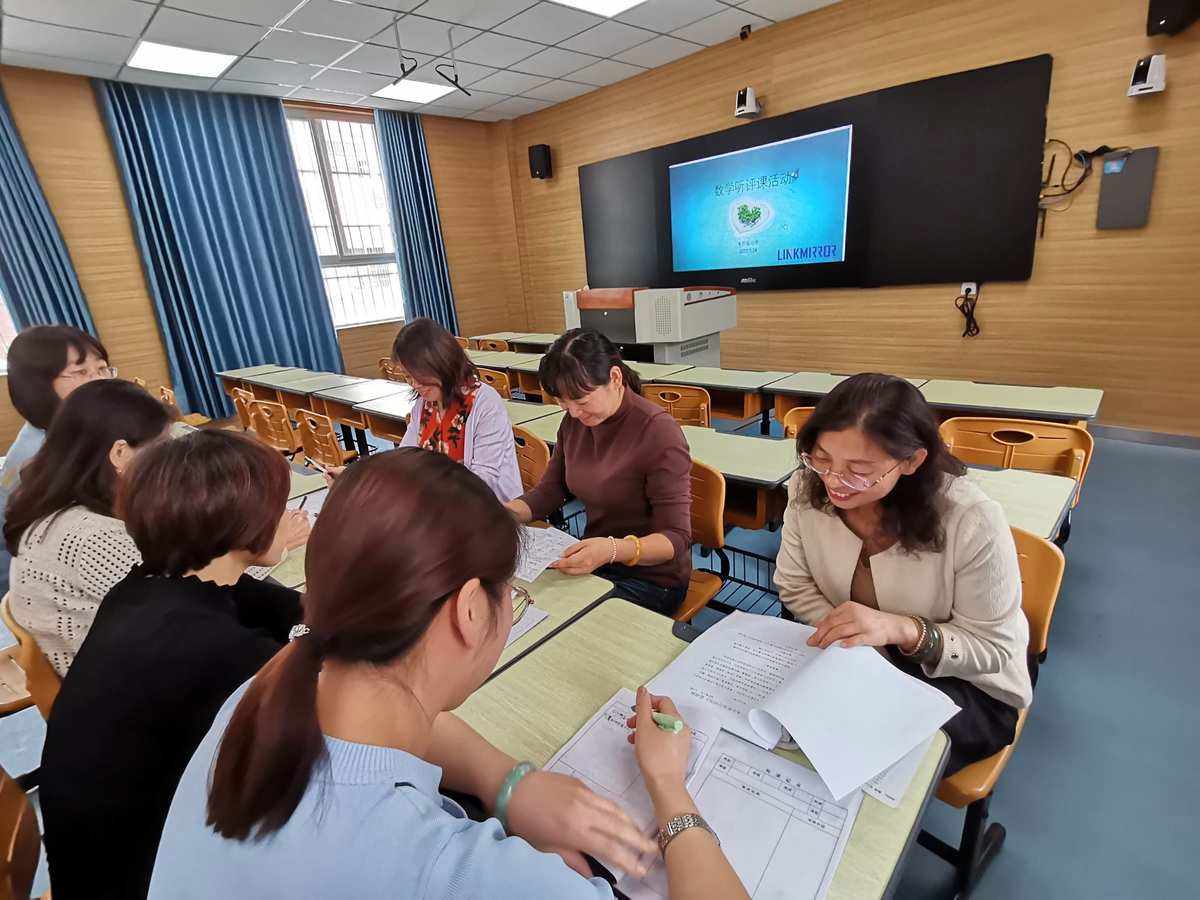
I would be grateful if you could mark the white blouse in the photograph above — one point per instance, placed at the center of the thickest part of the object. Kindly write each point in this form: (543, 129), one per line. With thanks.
(971, 588)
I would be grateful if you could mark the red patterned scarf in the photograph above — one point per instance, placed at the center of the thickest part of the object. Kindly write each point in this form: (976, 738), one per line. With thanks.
(444, 430)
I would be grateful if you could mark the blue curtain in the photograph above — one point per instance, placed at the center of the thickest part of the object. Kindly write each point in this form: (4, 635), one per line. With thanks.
(420, 252)
(225, 240)
(36, 275)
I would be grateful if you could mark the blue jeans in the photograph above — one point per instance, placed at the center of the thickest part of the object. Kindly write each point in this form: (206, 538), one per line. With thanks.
(665, 600)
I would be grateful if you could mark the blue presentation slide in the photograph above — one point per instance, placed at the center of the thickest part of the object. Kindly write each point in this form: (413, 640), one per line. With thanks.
(780, 204)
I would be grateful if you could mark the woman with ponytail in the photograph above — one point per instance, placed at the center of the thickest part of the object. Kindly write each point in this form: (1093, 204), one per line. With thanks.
(168, 645)
(320, 777)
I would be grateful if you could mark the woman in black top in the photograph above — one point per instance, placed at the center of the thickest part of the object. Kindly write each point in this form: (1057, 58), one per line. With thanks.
(169, 644)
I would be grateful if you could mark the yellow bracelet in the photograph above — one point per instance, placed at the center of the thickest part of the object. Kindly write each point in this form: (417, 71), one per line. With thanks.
(637, 552)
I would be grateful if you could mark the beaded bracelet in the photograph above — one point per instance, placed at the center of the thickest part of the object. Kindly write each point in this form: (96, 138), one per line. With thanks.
(613, 556)
(504, 797)
(921, 639)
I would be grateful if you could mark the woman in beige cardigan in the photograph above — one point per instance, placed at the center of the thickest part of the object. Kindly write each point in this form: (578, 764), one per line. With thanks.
(885, 544)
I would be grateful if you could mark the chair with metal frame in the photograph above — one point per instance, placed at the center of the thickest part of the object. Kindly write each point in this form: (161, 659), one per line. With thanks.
(389, 370)
(794, 419)
(167, 396)
(19, 839)
(498, 380)
(140, 382)
(41, 680)
(708, 530)
(270, 423)
(1042, 565)
(687, 404)
(533, 456)
(242, 399)
(319, 442)
(462, 342)
(493, 344)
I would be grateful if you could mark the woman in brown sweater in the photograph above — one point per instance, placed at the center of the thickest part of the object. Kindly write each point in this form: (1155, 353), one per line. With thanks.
(627, 461)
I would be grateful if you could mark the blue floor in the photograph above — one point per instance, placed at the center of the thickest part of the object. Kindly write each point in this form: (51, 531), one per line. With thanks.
(1100, 798)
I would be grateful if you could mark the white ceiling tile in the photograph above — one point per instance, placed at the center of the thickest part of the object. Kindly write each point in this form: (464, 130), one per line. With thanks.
(72, 43)
(496, 50)
(608, 39)
(398, 105)
(667, 15)
(607, 71)
(271, 71)
(59, 64)
(554, 62)
(393, 5)
(184, 29)
(519, 106)
(256, 12)
(658, 52)
(381, 60)
(438, 109)
(339, 19)
(477, 100)
(510, 82)
(784, 9)
(112, 16)
(165, 79)
(301, 47)
(306, 93)
(557, 91)
(548, 23)
(487, 115)
(468, 73)
(426, 35)
(721, 27)
(345, 80)
(231, 86)
(479, 13)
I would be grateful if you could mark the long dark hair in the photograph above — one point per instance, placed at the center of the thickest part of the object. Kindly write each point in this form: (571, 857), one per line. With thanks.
(383, 558)
(581, 361)
(72, 468)
(893, 414)
(429, 351)
(36, 357)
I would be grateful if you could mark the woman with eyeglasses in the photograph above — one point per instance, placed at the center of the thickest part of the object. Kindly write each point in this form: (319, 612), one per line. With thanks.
(886, 544)
(627, 461)
(45, 364)
(456, 414)
(322, 775)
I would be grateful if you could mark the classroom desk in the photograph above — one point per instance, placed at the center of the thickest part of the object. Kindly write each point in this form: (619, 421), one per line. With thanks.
(546, 427)
(538, 704)
(534, 343)
(736, 393)
(295, 394)
(266, 385)
(391, 410)
(305, 484)
(233, 378)
(1034, 501)
(756, 471)
(1064, 404)
(656, 371)
(290, 572)
(480, 357)
(509, 336)
(564, 598)
(338, 401)
(520, 413)
(803, 388)
(524, 376)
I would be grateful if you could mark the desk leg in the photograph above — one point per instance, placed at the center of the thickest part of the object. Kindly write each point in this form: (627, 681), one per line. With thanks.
(347, 437)
(360, 437)
(765, 427)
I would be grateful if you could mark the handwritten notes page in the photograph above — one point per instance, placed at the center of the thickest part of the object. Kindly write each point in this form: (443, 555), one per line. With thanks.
(539, 548)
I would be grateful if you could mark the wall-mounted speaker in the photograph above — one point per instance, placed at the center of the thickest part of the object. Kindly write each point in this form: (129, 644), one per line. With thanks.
(1171, 16)
(539, 161)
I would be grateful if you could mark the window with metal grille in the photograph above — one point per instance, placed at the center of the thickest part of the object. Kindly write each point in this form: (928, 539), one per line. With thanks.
(337, 159)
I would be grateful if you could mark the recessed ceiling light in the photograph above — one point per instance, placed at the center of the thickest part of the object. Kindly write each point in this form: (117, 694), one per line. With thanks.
(179, 60)
(608, 8)
(413, 91)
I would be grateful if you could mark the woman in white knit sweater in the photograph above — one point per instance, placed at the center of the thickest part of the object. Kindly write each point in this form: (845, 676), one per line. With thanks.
(885, 544)
(68, 547)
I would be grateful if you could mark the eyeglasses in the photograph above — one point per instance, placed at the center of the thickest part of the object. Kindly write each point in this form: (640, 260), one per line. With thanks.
(847, 479)
(102, 372)
(521, 602)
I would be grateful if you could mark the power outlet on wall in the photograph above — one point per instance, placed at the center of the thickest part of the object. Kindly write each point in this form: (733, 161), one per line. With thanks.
(969, 288)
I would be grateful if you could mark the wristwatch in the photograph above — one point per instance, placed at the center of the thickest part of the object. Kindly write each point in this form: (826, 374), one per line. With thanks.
(678, 825)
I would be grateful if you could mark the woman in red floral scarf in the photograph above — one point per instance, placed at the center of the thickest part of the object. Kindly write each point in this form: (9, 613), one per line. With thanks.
(455, 413)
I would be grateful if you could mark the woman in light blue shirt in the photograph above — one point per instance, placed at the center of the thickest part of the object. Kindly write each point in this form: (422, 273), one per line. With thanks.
(320, 776)
(45, 363)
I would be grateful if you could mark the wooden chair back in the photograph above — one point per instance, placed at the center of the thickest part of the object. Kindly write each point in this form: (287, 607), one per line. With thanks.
(41, 680)
(270, 423)
(794, 419)
(167, 396)
(242, 399)
(462, 342)
(688, 405)
(19, 839)
(1051, 447)
(389, 370)
(708, 506)
(1042, 565)
(492, 344)
(533, 456)
(498, 380)
(140, 382)
(319, 441)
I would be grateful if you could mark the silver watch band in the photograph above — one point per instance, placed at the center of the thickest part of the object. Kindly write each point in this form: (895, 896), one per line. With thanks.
(677, 825)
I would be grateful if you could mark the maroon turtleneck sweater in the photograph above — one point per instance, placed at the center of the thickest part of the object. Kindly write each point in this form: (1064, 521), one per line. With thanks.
(633, 474)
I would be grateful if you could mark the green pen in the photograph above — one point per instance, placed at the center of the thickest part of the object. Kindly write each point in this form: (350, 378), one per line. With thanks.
(667, 723)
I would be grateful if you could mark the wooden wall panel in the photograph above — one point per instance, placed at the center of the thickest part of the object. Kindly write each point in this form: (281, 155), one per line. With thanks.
(363, 345)
(1115, 310)
(469, 162)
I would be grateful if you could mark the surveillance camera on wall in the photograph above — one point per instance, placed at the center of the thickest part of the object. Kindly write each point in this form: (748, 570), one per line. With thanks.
(746, 106)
